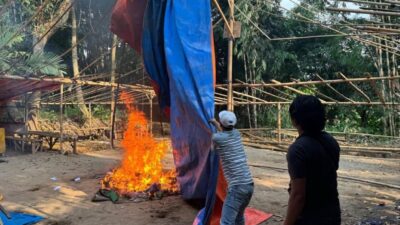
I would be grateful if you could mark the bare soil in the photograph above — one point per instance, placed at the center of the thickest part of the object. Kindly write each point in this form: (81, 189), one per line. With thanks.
(26, 184)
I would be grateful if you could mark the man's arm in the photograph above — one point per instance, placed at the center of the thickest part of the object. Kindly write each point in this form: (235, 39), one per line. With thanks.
(296, 200)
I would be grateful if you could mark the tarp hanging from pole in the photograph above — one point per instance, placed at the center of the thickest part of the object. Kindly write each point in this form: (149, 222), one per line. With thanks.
(187, 44)
(178, 52)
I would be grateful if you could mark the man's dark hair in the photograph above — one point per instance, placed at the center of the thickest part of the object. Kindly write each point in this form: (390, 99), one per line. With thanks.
(308, 112)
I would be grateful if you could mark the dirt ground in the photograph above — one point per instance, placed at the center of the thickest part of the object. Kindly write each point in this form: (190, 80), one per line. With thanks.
(26, 184)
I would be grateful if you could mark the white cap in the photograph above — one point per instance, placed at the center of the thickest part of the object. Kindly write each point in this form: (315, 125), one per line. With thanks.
(227, 119)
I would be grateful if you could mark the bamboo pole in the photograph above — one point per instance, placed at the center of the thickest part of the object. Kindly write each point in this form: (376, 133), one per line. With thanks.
(113, 120)
(251, 103)
(355, 87)
(366, 2)
(367, 42)
(265, 92)
(279, 123)
(243, 94)
(90, 116)
(228, 25)
(151, 114)
(113, 94)
(378, 29)
(25, 112)
(393, 2)
(63, 80)
(61, 118)
(230, 103)
(377, 92)
(294, 90)
(280, 92)
(318, 93)
(325, 103)
(371, 12)
(313, 82)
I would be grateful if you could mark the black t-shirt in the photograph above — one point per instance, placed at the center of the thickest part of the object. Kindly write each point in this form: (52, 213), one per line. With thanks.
(316, 158)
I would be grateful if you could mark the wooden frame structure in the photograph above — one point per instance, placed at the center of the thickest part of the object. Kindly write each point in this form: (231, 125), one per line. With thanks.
(275, 93)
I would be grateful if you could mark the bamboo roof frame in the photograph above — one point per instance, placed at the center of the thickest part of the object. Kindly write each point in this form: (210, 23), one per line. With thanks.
(355, 87)
(252, 100)
(96, 94)
(367, 2)
(363, 11)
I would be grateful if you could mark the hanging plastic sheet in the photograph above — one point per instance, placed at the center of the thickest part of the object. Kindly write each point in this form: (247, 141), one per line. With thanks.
(187, 44)
(153, 52)
(127, 21)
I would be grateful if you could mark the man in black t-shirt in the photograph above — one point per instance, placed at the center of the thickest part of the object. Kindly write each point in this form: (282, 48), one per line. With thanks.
(313, 160)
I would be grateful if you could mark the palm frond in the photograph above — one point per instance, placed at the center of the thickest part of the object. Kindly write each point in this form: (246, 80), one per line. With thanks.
(45, 63)
(9, 37)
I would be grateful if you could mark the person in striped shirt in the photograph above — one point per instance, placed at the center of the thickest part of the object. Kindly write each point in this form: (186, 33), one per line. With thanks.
(228, 144)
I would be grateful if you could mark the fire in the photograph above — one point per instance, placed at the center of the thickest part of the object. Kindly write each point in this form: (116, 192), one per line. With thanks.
(141, 166)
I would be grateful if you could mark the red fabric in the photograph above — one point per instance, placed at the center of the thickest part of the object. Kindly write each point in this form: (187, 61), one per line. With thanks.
(254, 216)
(219, 200)
(11, 88)
(127, 21)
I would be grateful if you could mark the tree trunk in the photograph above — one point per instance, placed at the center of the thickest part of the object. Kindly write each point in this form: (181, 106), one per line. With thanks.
(34, 99)
(75, 67)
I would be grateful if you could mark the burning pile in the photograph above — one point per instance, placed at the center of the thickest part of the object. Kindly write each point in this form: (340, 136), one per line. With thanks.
(141, 171)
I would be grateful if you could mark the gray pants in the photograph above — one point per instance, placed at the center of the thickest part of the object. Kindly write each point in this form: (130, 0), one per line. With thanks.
(235, 203)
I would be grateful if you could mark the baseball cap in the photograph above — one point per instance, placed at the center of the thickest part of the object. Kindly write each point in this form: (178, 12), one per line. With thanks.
(227, 118)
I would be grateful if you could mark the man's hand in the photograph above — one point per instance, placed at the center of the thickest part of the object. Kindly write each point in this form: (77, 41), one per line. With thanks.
(216, 124)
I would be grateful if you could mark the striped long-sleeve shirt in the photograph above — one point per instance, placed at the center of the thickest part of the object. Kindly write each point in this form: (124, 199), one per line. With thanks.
(229, 147)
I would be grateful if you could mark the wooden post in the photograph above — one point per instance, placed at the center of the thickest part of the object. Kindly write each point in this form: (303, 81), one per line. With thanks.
(90, 116)
(151, 114)
(279, 123)
(113, 94)
(113, 119)
(61, 117)
(25, 113)
(230, 56)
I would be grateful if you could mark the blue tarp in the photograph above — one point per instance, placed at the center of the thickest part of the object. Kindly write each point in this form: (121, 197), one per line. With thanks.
(20, 219)
(187, 45)
(153, 51)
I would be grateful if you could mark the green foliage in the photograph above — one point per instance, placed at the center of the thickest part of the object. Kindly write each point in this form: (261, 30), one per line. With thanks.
(17, 59)
(49, 114)
(102, 112)
(74, 113)
(359, 119)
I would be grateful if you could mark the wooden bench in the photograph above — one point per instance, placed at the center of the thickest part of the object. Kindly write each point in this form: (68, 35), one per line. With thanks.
(53, 137)
(20, 143)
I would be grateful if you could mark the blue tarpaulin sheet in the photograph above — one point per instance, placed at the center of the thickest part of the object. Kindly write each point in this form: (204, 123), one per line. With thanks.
(187, 45)
(153, 51)
(178, 57)
(20, 219)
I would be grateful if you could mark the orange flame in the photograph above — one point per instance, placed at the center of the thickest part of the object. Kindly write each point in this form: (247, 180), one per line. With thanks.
(141, 165)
